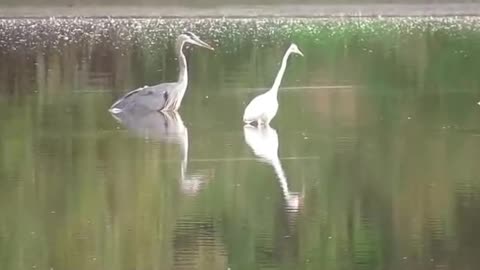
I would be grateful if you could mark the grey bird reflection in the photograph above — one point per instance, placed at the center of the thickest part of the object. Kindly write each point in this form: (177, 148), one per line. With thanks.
(165, 127)
(263, 140)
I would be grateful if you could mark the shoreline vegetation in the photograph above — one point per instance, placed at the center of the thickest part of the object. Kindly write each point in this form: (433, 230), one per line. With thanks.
(403, 52)
(246, 11)
(37, 33)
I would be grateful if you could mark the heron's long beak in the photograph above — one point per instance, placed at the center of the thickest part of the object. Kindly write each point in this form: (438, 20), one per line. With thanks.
(203, 44)
(299, 52)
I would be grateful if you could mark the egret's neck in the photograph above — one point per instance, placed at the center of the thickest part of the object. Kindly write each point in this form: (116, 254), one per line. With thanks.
(182, 63)
(278, 79)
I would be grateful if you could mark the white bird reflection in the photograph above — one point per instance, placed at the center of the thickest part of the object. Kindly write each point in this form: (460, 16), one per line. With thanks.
(165, 127)
(264, 142)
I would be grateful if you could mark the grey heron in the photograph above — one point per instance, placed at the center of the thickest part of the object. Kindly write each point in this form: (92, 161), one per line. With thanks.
(164, 96)
(263, 108)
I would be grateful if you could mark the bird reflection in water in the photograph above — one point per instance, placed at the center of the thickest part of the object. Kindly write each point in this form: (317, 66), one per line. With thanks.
(169, 128)
(264, 142)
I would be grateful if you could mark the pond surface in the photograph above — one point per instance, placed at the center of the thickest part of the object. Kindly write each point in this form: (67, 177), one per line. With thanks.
(370, 163)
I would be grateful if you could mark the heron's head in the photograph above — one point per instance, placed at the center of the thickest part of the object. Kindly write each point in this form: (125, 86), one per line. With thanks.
(191, 38)
(294, 49)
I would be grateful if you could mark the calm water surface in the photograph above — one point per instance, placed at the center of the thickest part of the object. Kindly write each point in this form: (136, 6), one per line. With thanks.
(371, 162)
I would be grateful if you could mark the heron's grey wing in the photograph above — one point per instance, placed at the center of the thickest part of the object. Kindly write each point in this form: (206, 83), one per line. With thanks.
(151, 98)
(127, 101)
(160, 95)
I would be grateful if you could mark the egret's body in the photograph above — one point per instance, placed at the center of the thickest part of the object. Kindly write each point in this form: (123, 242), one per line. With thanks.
(263, 108)
(164, 96)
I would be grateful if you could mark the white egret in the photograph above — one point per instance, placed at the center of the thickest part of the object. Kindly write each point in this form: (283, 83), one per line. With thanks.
(263, 108)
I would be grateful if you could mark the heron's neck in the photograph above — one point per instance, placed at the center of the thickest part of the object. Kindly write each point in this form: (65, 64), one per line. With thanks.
(278, 79)
(182, 64)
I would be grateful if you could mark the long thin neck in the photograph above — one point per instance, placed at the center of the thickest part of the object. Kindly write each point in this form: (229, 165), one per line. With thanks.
(182, 63)
(278, 79)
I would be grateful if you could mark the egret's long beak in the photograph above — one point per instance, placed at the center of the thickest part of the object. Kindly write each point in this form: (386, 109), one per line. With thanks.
(200, 43)
(299, 52)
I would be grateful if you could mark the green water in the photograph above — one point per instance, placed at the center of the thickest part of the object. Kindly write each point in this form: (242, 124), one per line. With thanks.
(378, 138)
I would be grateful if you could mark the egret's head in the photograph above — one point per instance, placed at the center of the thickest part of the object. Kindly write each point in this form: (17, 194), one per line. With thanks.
(191, 38)
(294, 49)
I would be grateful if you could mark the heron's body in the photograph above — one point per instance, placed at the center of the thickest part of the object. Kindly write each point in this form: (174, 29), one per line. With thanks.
(150, 98)
(263, 108)
(164, 96)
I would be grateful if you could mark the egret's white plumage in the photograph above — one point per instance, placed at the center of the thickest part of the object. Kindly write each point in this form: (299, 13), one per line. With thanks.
(263, 108)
